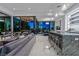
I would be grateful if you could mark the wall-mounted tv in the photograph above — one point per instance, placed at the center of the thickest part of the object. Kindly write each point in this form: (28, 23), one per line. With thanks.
(46, 25)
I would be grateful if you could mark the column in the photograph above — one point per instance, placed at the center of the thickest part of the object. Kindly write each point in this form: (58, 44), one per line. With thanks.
(12, 24)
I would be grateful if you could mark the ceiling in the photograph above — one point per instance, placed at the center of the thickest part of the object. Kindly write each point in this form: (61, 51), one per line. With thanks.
(35, 9)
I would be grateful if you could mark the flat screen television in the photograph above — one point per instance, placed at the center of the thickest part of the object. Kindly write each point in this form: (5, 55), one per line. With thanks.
(47, 25)
(44, 25)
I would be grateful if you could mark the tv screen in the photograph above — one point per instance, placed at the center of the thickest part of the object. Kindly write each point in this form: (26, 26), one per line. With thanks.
(44, 25)
(47, 25)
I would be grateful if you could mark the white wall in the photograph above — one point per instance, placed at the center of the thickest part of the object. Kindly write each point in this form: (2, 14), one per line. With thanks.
(60, 22)
(74, 6)
(70, 11)
(63, 24)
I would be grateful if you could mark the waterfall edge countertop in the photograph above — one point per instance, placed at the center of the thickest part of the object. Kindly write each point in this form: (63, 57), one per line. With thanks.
(63, 33)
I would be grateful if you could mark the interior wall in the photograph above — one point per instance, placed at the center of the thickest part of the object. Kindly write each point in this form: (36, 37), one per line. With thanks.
(57, 23)
(74, 6)
(69, 11)
(63, 24)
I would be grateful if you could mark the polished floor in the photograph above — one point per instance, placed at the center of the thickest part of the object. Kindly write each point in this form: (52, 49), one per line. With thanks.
(41, 47)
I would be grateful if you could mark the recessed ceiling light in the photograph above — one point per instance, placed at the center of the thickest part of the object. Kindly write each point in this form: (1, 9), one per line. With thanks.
(52, 18)
(13, 8)
(64, 7)
(56, 15)
(29, 8)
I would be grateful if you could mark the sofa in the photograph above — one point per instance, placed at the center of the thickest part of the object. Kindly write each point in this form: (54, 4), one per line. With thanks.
(19, 47)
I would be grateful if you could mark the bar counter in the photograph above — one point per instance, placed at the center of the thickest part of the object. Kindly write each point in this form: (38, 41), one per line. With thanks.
(65, 43)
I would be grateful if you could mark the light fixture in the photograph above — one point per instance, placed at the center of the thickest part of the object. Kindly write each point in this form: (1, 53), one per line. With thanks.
(47, 22)
(64, 7)
(29, 8)
(14, 9)
(1, 20)
(52, 18)
(56, 15)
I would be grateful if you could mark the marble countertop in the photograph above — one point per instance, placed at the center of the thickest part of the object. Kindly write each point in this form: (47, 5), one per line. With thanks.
(63, 33)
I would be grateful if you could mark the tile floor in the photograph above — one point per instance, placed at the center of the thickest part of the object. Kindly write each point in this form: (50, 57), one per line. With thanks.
(41, 47)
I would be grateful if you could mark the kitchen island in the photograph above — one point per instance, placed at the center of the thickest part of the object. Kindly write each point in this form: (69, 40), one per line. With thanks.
(65, 43)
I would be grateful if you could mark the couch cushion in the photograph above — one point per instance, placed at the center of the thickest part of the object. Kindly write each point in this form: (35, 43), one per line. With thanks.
(19, 47)
(26, 49)
(15, 46)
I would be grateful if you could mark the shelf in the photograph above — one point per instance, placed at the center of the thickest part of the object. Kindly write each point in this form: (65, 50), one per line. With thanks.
(74, 18)
(75, 14)
(74, 22)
